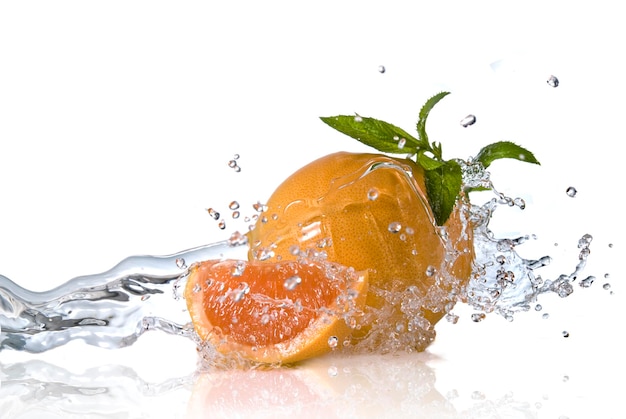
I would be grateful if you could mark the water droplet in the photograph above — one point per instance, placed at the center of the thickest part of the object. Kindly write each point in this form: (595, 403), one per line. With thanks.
(292, 282)
(394, 227)
(381, 69)
(372, 194)
(409, 231)
(586, 283)
(214, 214)
(538, 307)
(545, 316)
(430, 270)
(553, 81)
(332, 371)
(333, 341)
(233, 205)
(238, 269)
(236, 214)
(197, 288)
(232, 163)
(222, 225)
(478, 317)
(452, 318)
(571, 192)
(180, 263)
(565, 378)
(606, 286)
(610, 245)
(237, 239)
(468, 120)
(401, 143)
(520, 203)
(565, 334)
(358, 118)
(258, 207)
(240, 292)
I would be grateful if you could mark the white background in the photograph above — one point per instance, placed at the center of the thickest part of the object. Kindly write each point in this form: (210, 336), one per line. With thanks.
(118, 119)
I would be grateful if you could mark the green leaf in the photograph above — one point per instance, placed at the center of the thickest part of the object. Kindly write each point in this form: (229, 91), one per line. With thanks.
(504, 150)
(427, 162)
(423, 116)
(443, 186)
(381, 135)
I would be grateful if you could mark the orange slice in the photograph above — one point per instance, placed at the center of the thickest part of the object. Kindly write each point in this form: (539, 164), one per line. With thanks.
(274, 312)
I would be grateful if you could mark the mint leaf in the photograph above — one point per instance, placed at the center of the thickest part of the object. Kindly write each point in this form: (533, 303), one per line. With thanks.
(421, 122)
(504, 150)
(381, 135)
(443, 185)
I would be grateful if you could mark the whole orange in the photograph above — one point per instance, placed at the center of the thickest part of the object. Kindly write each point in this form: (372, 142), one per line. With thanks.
(370, 212)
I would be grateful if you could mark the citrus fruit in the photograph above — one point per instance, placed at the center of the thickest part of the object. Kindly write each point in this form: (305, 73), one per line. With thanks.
(370, 212)
(273, 313)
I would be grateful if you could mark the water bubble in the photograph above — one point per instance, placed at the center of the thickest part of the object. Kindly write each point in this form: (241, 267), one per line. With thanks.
(431, 270)
(606, 286)
(394, 227)
(565, 334)
(236, 214)
(409, 231)
(214, 214)
(292, 282)
(232, 163)
(333, 371)
(552, 81)
(545, 316)
(468, 120)
(565, 378)
(233, 205)
(222, 225)
(381, 69)
(478, 317)
(372, 194)
(401, 143)
(333, 341)
(180, 263)
(538, 307)
(571, 192)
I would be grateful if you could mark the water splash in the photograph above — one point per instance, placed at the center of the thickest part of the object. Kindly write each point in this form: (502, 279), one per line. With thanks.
(143, 293)
(111, 310)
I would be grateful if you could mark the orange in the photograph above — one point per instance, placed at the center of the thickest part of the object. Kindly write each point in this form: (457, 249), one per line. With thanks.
(273, 313)
(370, 212)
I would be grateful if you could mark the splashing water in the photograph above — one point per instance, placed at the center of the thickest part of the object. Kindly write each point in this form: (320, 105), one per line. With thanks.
(113, 309)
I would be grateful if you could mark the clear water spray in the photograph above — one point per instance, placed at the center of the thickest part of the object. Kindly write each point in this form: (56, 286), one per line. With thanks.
(110, 310)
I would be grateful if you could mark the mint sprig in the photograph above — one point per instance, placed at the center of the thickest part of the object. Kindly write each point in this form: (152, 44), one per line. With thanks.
(444, 178)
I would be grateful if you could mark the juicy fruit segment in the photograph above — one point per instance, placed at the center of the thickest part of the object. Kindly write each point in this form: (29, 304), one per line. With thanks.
(370, 212)
(273, 313)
